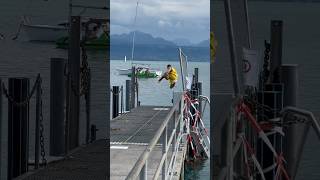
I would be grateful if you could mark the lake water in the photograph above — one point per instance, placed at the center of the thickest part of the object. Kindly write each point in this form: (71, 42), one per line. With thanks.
(153, 93)
(301, 37)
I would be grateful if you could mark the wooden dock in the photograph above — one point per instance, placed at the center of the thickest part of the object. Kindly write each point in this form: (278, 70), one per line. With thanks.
(130, 135)
(84, 163)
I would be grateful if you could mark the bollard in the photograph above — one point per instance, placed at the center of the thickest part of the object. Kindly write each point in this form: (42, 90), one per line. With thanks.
(196, 75)
(88, 109)
(37, 129)
(18, 123)
(133, 88)
(115, 101)
(276, 50)
(295, 134)
(128, 95)
(57, 106)
(73, 107)
(121, 101)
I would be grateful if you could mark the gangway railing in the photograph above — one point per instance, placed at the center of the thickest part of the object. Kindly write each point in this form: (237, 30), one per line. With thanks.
(308, 114)
(175, 116)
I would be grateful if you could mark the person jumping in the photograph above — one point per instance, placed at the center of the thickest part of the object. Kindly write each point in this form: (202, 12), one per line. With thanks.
(171, 75)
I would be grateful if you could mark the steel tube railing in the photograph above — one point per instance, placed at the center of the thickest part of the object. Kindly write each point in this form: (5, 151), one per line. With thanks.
(312, 119)
(136, 170)
(164, 151)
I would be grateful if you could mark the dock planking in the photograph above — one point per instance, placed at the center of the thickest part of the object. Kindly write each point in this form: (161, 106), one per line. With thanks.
(84, 163)
(139, 125)
(130, 135)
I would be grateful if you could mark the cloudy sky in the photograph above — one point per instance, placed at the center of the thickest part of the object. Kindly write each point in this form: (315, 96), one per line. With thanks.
(170, 19)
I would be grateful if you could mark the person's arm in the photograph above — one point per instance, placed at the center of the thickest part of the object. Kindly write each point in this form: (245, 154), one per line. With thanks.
(161, 78)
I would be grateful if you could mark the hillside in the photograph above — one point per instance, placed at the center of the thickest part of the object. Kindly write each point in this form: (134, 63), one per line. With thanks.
(148, 47)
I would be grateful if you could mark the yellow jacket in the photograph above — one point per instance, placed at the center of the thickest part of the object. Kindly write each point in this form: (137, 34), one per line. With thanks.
(172, 75)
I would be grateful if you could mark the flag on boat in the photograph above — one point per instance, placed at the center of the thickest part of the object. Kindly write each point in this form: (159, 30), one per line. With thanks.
(251, 62)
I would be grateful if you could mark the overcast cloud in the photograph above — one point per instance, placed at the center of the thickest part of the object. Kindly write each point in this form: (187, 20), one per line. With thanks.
(170, 19)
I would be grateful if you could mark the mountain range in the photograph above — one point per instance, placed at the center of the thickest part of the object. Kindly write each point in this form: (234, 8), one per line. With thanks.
(148, 47)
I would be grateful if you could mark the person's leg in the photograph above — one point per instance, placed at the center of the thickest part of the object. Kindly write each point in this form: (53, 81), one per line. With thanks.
(172, 84)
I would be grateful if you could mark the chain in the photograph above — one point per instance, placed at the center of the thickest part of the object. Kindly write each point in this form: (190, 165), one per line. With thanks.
(84, 72)
(266, 71)
(42, 149)
(84, 75)
(24, 102)
(37, 83)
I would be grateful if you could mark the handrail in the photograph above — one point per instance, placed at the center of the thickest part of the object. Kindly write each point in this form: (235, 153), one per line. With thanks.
(205, 98)
(141, 162)
(315, 123)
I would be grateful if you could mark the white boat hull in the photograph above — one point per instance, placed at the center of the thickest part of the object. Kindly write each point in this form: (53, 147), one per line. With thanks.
(44, 32)
(124, 71)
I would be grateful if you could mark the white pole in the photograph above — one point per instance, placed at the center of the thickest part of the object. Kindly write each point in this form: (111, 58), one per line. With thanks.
(134, 32)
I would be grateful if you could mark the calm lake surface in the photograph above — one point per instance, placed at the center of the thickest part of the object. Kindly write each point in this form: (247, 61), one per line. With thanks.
(301, 37)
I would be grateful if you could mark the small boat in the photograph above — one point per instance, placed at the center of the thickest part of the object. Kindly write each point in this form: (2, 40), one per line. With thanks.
(146, 73)
(124, 71)
(94, 32)
(141, 69)
(42, 32)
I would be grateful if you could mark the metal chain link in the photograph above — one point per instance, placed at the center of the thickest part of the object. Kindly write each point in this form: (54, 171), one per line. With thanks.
(266, 71)
(84, 72)
(24, 102)
(42, 149)
(84, 75)
(37, 83)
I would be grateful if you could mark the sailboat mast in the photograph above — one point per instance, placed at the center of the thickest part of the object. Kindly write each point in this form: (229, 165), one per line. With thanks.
(69, 15)
(134, 32)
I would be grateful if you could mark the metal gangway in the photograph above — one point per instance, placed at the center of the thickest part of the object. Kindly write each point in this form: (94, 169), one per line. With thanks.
(182, 129)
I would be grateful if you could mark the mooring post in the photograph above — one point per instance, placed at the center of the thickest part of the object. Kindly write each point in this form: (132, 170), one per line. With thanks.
(115, 101)
(133, 87)
(276, 50)
(88, 109)
(37, 128)
(18, 127)
(128, 95)
(295, 134)
(196, 75)
(57, 105)
(137, 90)
(121, 100)
(73, 84)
